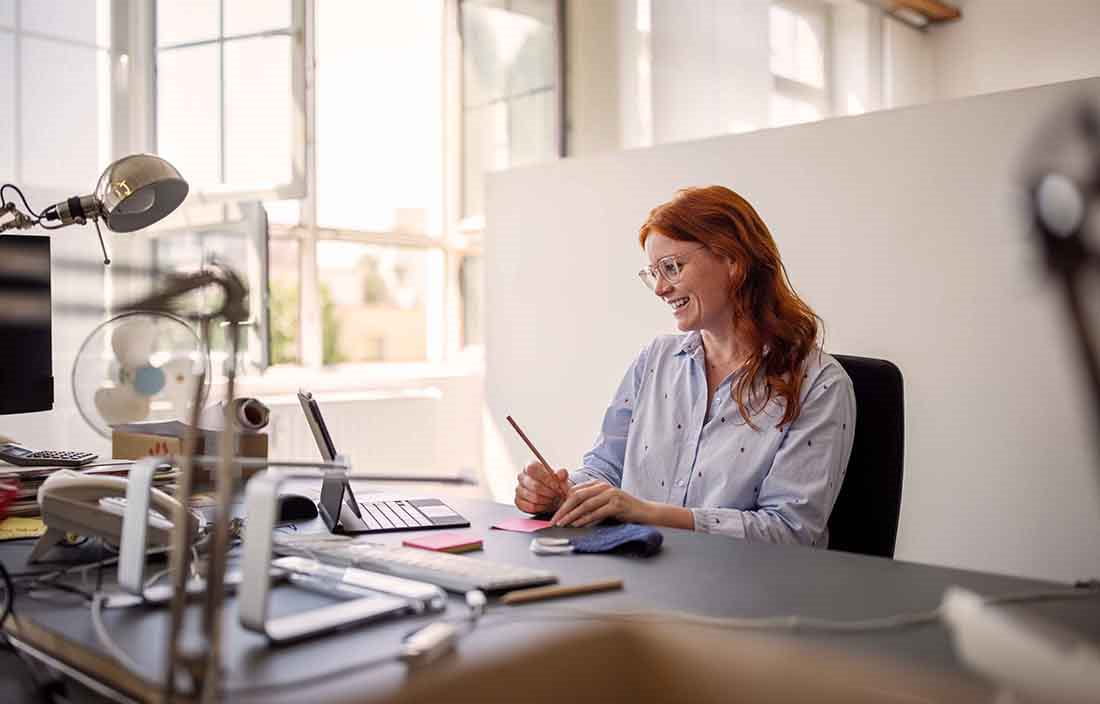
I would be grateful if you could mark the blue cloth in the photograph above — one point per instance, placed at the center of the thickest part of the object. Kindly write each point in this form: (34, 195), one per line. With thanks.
(628, 537)
(661, 442)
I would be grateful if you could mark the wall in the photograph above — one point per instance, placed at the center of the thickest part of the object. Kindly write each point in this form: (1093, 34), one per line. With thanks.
(1007, 44)
(900, 229)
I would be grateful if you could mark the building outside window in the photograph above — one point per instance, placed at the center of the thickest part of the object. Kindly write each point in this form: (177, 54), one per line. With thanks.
(374, 240)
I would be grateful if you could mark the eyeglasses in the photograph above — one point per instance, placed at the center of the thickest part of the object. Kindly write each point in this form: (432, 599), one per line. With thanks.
(669, 268)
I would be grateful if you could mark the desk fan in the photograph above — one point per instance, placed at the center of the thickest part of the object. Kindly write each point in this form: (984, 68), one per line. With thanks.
(138, 366)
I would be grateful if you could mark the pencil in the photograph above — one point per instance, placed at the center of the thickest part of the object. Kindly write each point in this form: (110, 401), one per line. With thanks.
(530, 444)
(523, 596)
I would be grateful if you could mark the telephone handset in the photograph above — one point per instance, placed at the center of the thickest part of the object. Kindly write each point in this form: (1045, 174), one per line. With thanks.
(72, 502)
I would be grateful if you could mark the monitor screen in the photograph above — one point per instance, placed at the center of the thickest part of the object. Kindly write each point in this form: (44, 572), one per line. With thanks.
(26, 358)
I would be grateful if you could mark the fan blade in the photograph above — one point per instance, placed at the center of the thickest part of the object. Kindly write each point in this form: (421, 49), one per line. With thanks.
(180, 377)
(117, 405)
(134, 342)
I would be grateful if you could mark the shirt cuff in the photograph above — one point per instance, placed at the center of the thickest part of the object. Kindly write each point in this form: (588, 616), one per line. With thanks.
(583, 475)
(723, 521)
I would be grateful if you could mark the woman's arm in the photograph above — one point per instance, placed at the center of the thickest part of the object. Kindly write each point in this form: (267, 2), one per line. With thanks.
(604, 461)
(797, 495)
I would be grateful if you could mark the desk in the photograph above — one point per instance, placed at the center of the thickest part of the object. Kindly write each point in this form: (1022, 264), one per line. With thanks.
(704, 574)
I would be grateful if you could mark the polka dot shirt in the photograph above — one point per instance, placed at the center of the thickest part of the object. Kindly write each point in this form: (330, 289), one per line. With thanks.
(663, 440)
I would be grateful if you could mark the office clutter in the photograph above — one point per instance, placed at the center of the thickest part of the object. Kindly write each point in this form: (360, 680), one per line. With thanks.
(27, 481)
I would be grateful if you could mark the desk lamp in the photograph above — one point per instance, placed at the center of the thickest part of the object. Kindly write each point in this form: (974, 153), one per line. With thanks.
(133, 192)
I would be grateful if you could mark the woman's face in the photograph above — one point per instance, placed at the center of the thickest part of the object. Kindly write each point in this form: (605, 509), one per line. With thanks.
(700, 299)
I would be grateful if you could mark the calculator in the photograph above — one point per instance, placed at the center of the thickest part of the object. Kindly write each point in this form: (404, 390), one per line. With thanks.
(14, 453)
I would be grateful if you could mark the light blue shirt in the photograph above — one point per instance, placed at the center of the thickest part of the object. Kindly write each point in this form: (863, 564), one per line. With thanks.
(660, 442)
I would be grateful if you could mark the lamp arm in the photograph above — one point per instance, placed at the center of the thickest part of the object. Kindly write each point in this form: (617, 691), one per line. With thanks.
(77, 210)
(18, 220)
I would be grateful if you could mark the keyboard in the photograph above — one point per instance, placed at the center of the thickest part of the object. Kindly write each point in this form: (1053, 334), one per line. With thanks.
(390, 515)
(455, 573)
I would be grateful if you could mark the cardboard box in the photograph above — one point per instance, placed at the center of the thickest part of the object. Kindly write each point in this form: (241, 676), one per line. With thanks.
(136, 440)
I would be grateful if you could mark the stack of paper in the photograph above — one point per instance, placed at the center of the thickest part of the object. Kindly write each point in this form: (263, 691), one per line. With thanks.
(29, 479)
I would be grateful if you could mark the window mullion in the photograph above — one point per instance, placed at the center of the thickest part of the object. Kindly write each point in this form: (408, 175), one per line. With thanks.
(310, 334)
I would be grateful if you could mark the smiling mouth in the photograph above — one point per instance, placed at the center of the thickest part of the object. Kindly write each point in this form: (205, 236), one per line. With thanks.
(678, 303)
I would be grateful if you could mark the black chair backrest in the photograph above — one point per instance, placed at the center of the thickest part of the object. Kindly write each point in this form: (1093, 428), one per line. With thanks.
(865, 516)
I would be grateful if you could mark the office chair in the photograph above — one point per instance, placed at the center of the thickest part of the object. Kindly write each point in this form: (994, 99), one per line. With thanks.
(865, 516)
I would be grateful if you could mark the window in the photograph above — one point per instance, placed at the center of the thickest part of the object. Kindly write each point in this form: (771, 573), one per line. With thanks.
(799, 61)
(511, 103)
(57, 64)
(377, 258)
(227, 92)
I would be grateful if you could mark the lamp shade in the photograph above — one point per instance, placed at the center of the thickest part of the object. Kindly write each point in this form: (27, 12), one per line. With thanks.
(137, 191)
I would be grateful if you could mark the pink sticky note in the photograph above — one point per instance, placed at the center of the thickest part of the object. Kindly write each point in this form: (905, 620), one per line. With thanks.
(522, 525)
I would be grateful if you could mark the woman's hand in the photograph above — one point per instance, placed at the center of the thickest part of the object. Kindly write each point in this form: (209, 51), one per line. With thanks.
(538, 490)
(596, 500)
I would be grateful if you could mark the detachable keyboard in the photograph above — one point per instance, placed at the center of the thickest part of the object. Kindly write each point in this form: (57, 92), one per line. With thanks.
(455, 573)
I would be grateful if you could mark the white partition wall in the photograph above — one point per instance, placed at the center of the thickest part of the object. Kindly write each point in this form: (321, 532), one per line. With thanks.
(902, 230)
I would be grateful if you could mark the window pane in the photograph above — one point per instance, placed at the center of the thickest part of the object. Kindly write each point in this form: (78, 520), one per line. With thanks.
(283, 212)
(248, 16)
(283, 300)
(798, 45)
(380, 129)
(7, 114)
(58, 151)
(258, 111)
(511, 106)
(187, 112)
(372, 302)
(7, 14)
(82, 21)
(180, 21)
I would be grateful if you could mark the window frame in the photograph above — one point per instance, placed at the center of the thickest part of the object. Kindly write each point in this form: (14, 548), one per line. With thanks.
(18, 34)
(793, 89)
(300, 11)
(461, 237)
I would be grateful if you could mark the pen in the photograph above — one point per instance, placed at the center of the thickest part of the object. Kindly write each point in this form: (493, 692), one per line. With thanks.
(522, 596)
(531, 445)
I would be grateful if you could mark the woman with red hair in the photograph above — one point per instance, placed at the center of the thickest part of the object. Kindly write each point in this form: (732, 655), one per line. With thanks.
(741, 424)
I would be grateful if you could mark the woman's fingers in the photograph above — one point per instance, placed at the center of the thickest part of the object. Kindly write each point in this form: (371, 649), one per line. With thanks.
(572, 499)
(582, 502)
(608, 510)
(534, 486)
(531, 502)
(536, 473)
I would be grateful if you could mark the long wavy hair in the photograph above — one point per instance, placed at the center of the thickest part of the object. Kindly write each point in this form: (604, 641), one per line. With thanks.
(778, 327)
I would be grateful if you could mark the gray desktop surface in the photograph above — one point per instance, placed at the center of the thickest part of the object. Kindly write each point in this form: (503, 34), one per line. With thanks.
(703, 574)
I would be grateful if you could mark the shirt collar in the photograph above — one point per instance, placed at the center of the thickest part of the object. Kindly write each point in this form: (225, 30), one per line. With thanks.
(690, 343)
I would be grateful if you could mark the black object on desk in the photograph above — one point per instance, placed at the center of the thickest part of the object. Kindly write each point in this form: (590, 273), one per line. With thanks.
(26, 355)
(295, 507)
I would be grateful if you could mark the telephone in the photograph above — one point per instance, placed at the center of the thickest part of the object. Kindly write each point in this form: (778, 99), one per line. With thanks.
(72, 502)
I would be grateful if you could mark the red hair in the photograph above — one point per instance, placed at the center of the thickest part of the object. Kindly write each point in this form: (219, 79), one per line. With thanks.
(778, 327)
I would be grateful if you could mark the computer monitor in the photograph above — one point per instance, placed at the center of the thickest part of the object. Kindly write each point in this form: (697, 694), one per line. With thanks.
(26, 356)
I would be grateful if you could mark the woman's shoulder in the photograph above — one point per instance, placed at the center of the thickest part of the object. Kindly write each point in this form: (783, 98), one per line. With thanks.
(665, 347)
(822, 369)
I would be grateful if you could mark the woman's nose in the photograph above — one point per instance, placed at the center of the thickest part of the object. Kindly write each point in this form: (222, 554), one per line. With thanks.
(663, 287)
